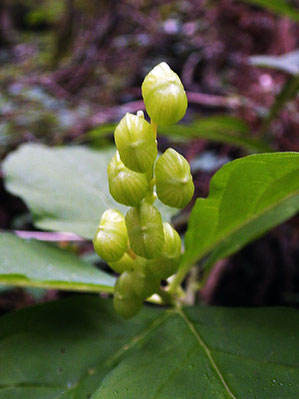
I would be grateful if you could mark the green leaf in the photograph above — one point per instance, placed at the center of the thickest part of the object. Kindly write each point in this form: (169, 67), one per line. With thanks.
(219, 128)
(247, 197)
(281, 7)
(65, 188)
(288, 62)
(31, 263)
(78, 349)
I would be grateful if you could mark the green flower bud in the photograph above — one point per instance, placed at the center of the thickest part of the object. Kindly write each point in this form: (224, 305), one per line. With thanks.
(136, 143)
(126, 186)
(145, 230)
(145, 283)
(164, 95)
(173, 179)
(111, 239)
(125, 301)
(123, 264)
(127, 306)
(167, 263)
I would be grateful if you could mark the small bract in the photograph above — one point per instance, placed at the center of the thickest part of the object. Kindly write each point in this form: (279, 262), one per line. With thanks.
(164, 95)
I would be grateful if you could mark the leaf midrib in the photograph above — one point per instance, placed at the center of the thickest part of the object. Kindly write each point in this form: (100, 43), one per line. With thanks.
(207, 352)
(131, 342)
(156, 324)
(82, 287)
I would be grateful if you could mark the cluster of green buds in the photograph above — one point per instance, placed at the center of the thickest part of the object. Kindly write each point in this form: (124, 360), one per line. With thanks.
(139, 246)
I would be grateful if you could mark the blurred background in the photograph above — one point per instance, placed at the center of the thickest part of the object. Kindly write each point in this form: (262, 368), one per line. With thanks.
(70, 69)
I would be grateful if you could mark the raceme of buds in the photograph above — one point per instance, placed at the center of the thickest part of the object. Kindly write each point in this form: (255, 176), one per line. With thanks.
(173, 179)
(145, 230)
(139, 247)
(136, 142)
(167, 263)
(111, 238)
(126, 186)
(164, 95)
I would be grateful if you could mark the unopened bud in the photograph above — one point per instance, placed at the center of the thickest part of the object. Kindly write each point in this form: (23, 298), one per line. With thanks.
(136, 143)
(164, 95)
(126, 186)
(111, 238)
(173, 179)
(145, 230)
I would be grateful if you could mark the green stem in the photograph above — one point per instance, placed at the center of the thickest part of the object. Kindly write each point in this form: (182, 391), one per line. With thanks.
(192, 286)
(131, 253)
(167, 298)
(178, 279)
(150, 196)
(154, 126)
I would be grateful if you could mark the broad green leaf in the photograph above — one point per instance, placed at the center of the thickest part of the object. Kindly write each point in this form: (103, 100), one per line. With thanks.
(282, 7)
(219, 128)
(65, 188)
(287, 62)
(31, 263)
(247, 197)
(78, 349)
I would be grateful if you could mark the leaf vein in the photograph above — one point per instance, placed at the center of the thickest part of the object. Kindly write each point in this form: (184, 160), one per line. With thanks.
(207, 351)
(249, 359)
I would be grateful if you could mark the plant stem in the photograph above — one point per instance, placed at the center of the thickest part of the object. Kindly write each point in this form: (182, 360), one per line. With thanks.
(154, 126)
(178, 279)
(167, 298)
(192, 286)
(131, 253)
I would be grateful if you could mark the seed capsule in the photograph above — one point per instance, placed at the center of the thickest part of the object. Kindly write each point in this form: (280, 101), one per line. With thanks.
(167, 263)
(126, 186)
(164, 95)
(111, 239)
(125, 301)
(136, 143)
(145, 230)
(173, 179)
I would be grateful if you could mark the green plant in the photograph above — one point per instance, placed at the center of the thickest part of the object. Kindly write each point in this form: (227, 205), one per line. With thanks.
(173, 351)
(146, 249)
